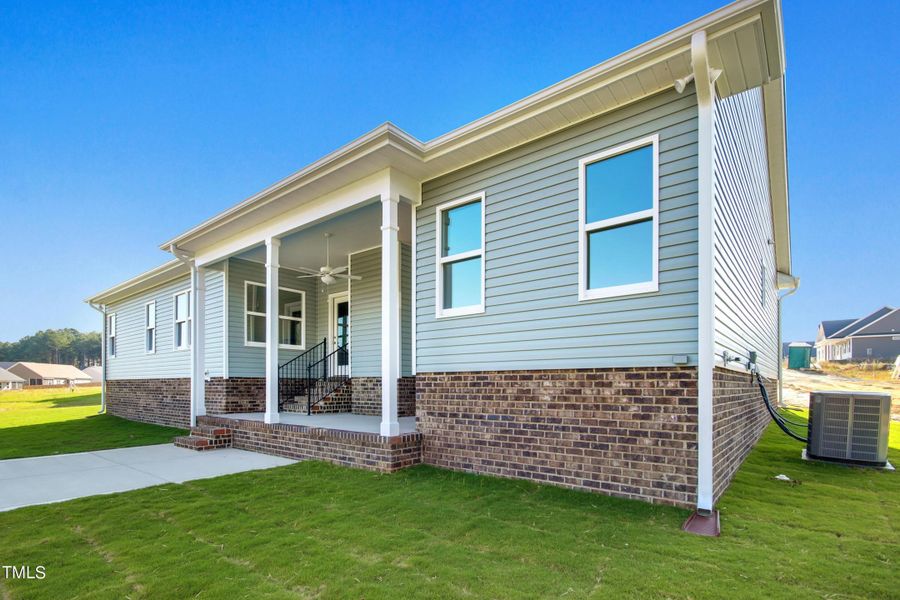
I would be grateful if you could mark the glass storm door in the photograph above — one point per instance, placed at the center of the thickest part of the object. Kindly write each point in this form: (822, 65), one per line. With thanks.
(341, 329)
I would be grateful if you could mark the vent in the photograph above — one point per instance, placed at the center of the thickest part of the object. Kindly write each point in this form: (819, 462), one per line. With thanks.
(849, 427)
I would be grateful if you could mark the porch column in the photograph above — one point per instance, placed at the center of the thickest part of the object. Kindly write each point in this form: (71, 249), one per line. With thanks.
(198, 342)
(390, 313)
(272, 250)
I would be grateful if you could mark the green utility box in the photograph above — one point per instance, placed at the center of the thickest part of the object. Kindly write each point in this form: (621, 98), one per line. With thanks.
(798, 355)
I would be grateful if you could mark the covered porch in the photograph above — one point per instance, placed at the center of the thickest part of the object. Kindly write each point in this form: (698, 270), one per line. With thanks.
(318, 315)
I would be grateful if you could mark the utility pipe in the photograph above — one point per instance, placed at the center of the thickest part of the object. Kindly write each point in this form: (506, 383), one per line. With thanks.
(101, 308)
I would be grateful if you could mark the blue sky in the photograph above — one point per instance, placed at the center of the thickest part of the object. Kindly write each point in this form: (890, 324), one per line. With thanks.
(122, 124)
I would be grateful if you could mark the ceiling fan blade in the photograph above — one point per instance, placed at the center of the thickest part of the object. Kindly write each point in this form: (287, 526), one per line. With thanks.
(337, 270)
(353, 277)
(307, 271)
(307, 276)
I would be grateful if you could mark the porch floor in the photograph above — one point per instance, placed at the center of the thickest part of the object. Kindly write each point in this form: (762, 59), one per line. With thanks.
(339, 421)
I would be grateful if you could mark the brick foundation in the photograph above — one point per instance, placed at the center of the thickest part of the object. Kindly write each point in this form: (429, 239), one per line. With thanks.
(739, 419)
(367, 396)
(159, 401)
(624, 432)
(235, 395)
(352, 449)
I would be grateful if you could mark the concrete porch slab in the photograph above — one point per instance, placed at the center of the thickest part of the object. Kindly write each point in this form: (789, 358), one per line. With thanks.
(339, 421)
(46, 479)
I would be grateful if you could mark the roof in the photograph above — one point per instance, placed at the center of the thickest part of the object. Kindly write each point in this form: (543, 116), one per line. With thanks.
(6, 376)
(94, 372)
(6, 364)
(166, 272)
(851, 328)
(49, 371)
(887, 324)
(829, 328)
(745, 41)
(799, 345)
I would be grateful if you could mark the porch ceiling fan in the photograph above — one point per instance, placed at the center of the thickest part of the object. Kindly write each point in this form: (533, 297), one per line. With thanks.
(327, 274)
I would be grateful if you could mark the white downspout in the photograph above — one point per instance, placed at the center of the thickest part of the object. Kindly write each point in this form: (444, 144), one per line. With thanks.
(102, 310)
(792, 284)
(704, 80)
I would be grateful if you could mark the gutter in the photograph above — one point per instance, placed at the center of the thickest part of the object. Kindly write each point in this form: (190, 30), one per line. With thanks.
(101, 308)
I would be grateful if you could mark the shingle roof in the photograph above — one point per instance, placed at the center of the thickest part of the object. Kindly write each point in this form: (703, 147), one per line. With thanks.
(858, 324)
(829, 328)
(49, 371)
(6, 376)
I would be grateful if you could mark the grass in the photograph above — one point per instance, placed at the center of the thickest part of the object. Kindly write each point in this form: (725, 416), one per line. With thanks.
(313, 530)
(39, 422)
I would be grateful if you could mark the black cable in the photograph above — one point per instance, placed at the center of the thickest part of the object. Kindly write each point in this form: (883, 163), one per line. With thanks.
(775, 416)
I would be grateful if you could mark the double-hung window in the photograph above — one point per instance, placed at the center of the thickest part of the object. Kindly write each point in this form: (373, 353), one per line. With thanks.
(111, 335)
(618, 245)
(150, 327)
(460, 257)
(291, 317)
(183, 320)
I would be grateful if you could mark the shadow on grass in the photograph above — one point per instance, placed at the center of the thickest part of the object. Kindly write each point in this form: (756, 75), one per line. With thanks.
(68, 402)
(97, 432)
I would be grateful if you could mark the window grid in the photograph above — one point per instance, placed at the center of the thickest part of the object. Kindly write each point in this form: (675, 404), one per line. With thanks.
(281, 317)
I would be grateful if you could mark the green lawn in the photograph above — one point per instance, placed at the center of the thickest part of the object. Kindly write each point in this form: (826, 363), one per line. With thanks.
(56, 421)
(316, 530)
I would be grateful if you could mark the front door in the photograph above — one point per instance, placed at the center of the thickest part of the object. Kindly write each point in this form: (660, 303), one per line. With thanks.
(340, 327)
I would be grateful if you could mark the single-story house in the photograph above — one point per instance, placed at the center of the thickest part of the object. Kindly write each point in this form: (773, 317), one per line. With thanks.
(574, 289)
(875, 336)
(49, 374)
(95, 372)
(10, 381)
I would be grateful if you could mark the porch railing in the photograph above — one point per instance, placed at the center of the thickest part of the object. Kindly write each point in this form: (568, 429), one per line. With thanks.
(327, 375)
(293, 376)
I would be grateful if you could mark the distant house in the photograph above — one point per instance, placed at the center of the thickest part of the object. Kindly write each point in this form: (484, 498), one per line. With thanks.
(95, 373)
(873, 337)
(48, 374)
(10, 381)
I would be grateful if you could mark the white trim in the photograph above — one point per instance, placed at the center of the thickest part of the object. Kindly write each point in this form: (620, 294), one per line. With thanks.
(281, 317)
(412, 280)
(273, 250)
(175, 321)
(439, 311)
(226, 319)
(584, 228)
(147, 327)
(111, 332)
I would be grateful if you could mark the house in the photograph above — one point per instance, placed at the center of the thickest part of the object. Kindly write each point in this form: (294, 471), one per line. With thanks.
(10, 381)
(48, 374)
(572, 289)
(95, 373)
(873, 337)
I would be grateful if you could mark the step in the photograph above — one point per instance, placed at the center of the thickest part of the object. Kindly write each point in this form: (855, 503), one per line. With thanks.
(210, 431)
(192, 442)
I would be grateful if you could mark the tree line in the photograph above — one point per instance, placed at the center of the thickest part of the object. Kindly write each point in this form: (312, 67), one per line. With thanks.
(57, 346)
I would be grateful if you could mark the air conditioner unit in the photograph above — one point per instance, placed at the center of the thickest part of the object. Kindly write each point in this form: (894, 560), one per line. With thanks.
(849, 427)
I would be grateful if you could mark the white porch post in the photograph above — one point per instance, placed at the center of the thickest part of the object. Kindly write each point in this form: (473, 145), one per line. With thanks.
(390, 313)
(272, 250)
(198, 342)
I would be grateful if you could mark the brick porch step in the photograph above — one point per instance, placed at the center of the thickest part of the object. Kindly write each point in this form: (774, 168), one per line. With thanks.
(205, 437)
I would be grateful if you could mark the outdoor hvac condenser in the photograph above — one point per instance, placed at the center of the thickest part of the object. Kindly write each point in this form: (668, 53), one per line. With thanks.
(849, 427)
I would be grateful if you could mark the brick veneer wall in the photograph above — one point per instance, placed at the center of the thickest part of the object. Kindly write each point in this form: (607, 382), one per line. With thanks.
(739, 419)
(625, 432)
(367, 396)
(348, 448)
(235, 395)
(160, 401)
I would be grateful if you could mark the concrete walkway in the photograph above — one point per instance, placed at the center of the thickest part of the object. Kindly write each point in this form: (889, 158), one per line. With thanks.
(45, 479)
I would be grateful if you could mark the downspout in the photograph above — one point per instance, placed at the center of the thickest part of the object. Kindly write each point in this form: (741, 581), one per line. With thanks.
(187, 259)
(792, 284)
(704, 81)
(102, 310)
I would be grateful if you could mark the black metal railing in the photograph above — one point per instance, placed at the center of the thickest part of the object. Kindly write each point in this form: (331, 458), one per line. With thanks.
(293, 376)
(326, 375)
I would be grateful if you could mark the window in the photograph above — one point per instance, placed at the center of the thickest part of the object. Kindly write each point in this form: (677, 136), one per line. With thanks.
(182, 320)
(291, 318)
(460, 257)
(111, 334)
(150, 327)
(618, 245)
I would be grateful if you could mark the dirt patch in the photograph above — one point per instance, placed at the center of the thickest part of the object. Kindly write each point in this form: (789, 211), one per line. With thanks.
(796, 386)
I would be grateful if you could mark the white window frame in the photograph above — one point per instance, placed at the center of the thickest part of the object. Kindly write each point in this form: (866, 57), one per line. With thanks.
(302, 320)
(111, 325)
(584, 229)
(150, 306)
(439, 310)
(187, 321)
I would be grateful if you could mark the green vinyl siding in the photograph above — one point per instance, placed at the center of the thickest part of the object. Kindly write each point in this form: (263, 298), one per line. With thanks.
(533, 318)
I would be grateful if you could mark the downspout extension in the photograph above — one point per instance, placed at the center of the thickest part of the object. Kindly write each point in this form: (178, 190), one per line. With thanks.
(101, 308)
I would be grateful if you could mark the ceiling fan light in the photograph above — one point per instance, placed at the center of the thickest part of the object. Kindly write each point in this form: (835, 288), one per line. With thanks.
(327, 279)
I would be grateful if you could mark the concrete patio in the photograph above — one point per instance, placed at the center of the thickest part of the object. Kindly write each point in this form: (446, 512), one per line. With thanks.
(46, 479)
(338, 421)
